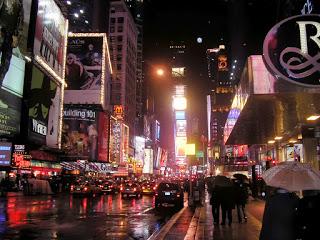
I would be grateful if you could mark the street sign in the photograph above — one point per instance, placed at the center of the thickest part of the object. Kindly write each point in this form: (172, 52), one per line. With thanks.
(199, 154)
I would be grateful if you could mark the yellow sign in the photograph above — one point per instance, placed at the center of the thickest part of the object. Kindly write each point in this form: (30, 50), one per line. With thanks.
(190, 149)
(118, 111)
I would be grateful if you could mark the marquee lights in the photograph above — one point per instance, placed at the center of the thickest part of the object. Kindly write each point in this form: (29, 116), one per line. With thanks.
(105, 53)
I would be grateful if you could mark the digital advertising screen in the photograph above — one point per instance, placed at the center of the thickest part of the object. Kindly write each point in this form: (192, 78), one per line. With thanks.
(180, 115)
(148, 161)
(157, 130)
(103, 138)
(181, 128)
(50, 38)
(85, 69)
(14, 17)
(80, 133)
(139, 144)
(44, 107)
(5, 153)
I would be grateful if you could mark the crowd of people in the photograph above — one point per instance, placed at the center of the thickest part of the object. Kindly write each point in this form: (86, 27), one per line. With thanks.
(287, 215)
(225, 198)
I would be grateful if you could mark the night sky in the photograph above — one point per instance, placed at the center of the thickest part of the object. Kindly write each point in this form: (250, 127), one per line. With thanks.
(239, 24)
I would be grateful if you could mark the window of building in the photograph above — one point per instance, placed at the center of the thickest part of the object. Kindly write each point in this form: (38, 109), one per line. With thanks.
(111, 29)
(119, 38)
(118, 66)
(119, 47)
(120, 28)
(120, 19)
(112, 20)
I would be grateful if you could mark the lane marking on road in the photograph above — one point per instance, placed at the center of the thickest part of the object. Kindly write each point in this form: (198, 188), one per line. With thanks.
(145, 211)
(162, 232)
(192, 229)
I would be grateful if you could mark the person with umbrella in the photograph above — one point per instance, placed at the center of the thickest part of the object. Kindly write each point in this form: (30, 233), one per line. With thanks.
(241, 199)
(226, 196)
(280, 214)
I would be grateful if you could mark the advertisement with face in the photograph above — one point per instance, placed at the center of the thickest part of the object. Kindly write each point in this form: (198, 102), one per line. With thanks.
(80, 133)
(44, 110)
(14, 22)
(181, 126)
(84, 70)
(50, 34)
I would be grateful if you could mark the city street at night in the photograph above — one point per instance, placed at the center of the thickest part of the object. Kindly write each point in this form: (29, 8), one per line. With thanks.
(159, 119)
(68, 217)
(110, 217)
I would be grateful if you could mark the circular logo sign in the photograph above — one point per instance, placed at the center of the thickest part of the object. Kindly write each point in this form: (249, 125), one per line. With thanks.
(291, 50)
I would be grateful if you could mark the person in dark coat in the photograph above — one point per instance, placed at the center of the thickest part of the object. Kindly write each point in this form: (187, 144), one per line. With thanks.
(215, 202)
(279, 216)
(308, 215)
(241, 199)
(227, 204)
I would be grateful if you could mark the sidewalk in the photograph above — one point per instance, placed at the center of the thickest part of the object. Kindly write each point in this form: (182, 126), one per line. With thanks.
(237, 231)
(198, 224)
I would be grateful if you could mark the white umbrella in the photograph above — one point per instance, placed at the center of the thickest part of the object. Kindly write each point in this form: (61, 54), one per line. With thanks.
(293, 176)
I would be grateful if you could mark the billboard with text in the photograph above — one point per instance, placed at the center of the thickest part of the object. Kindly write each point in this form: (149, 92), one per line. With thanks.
(50, 38)
(44, 108)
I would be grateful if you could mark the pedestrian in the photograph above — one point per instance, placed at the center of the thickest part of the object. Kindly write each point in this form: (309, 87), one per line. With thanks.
(308, 214)
(241, 199)
(279, 216)
(227, 204)
(215, 202)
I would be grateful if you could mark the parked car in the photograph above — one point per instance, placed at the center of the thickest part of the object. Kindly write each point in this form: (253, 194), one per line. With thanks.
(130, 190)
(85, 188)
(148, 188)
(169, 194)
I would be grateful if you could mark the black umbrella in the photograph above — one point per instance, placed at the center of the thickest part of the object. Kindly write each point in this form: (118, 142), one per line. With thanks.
(222, 181)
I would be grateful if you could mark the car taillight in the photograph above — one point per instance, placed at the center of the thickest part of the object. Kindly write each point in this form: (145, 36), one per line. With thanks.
(121, 189)
(72, 187)
(134, 189)
(178, 195)
(143, 187)
(154, 188)
(156, 194)
(85, 189)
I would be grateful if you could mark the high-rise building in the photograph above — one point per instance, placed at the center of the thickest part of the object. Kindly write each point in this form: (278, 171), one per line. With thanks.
(222, 88)
(136, 8)
(123, 35)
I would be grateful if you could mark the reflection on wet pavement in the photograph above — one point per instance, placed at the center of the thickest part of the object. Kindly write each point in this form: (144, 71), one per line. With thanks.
(68, 217)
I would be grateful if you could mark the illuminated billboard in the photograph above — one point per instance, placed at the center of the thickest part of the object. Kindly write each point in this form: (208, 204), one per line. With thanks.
(85, 134)
(44, 107)
(178, 71)
(181, 146)
(86, 68)
(115, 140)
(181, 128)
(222, 63)
(5, 153)
(157, 132)
(14, 20)
(148, 161)
(139, 145)
(180, 115)
(179, 103)
(50, 38)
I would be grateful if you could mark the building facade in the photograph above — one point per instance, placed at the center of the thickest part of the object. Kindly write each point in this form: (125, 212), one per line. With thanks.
(123, 35)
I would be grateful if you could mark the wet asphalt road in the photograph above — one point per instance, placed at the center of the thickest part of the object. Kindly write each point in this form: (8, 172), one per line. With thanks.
(76, 218)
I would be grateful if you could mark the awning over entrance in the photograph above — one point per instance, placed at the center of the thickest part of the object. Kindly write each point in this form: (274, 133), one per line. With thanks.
(265, 107)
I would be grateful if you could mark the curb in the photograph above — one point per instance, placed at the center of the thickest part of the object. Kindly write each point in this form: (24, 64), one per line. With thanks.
(194, 225)
(162, 232)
